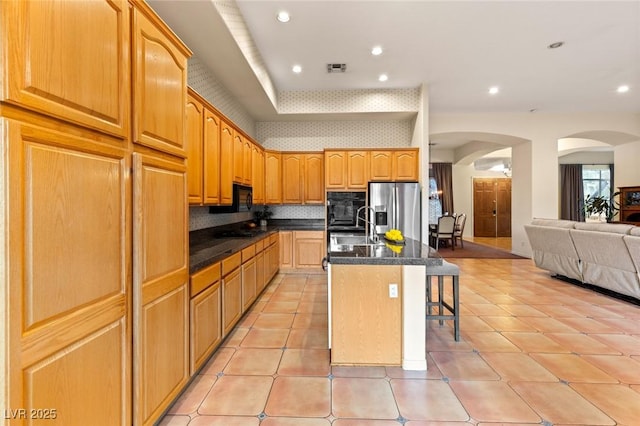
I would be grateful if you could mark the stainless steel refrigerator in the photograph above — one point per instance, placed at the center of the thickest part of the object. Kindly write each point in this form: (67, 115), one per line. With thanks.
(396, 205)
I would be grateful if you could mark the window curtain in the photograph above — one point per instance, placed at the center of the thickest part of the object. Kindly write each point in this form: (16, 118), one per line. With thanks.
(442, 173)
(571, 192)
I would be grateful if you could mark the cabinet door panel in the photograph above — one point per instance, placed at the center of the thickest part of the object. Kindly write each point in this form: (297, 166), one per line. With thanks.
(238, 157)
(246, 162)
(68, 304)
(309, 253)
(248, 283)
(381, 166)
(314, 179)
(206, 325)
(212, 126)
(358, 169)
(260, 272)
(54, 66)
(257, 175)
(226, 163)
(286, 249)
(160, 88)
(231, 300)
(292, 175)
(161, 296)
(273, 174)
(194, 122)
(405, 165)
(335, 170)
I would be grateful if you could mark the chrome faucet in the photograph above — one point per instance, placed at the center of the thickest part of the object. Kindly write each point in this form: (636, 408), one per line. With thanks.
(372, 225)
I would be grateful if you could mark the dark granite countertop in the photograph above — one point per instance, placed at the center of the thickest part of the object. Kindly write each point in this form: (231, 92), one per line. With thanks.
(206, 247)
(412, 253)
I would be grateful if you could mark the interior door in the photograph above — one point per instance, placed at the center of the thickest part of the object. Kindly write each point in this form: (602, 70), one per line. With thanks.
(492, 207)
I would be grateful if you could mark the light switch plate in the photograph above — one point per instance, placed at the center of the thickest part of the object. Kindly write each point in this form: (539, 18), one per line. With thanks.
(393, 291)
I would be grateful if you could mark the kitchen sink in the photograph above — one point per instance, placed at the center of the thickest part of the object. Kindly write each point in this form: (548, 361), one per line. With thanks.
(338, 241)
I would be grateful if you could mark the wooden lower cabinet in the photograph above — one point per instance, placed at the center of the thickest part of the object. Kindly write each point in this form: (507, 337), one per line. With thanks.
(160, 284)
(205, 315)
(260, 272)
(302, 249)
(308, 249)
(366, 324)
(66, 302)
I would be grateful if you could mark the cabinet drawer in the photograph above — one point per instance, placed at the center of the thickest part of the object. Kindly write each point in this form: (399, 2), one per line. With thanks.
(204, 278)
(273, 238)
(259, 246)
(310, 235)
(230, 263)
(248, 253)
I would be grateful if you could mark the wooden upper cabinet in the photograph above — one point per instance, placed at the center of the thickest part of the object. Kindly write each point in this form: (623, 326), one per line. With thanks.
(226, 163)
(212, 159)
(257, 174)
(238, 157)
(357, 169)
(160, 83)
(335, 163)
(314, 178)
(406, 165)
(272, 180)
(69, 60)
(194, 121)
(292, 178)
(381, 166)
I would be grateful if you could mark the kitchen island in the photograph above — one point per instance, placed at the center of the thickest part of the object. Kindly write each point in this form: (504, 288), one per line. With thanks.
(377, 303)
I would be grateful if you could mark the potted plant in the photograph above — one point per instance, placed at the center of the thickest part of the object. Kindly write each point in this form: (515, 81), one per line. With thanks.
(600, 206)
(263, 215)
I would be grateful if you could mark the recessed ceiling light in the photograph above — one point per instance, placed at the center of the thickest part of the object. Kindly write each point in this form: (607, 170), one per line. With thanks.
(377, 50)
(622, 89)
(555, 45)
(297, 69)
(383, 77)
(283, 16)
(494, 90)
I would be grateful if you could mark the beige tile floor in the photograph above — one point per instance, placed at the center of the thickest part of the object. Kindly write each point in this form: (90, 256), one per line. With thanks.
(533, 350)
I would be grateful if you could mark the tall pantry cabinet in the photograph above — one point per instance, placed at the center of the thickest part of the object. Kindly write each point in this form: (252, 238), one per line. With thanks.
(94, 217)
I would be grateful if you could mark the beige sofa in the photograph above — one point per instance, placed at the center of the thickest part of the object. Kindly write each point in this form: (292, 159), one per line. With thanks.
(601, 254)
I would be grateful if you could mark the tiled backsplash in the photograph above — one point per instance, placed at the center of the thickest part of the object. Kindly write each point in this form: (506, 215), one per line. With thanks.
(200, 218)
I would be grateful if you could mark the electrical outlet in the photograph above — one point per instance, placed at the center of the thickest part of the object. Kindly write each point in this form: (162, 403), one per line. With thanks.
(393, 291)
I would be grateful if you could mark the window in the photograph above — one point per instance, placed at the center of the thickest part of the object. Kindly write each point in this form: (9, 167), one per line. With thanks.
(596, 180)
(435, 206)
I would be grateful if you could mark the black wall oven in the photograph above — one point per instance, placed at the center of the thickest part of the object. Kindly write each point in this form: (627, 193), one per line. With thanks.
(342, 211)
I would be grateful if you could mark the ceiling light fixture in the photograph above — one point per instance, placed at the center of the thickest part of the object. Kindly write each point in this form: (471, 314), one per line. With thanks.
(283, 16)
(377, 50)
(494, 90)
(297, 69)
(383, 77)
(555, 45)
(622, 89)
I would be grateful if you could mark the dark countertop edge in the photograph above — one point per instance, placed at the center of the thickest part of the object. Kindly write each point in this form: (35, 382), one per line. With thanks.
(429, 261)
(228, 247)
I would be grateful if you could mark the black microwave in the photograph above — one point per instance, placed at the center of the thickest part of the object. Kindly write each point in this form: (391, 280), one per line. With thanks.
(242, 201)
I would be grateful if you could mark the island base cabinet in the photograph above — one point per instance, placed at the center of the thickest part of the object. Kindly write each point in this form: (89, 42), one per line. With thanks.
(366, 324)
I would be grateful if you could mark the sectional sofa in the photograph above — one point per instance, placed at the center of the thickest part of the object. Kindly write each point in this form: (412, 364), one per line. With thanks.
(605, 255)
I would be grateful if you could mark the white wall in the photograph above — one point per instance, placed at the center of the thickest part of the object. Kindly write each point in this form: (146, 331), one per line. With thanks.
(627, 164)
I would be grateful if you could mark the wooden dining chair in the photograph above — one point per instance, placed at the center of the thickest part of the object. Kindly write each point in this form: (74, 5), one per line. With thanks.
(444, 231)
(459, 229)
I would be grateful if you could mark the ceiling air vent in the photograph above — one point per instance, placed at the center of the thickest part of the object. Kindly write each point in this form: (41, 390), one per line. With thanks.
(331, 68)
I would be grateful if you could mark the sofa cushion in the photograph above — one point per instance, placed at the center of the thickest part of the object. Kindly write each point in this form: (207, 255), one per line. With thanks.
(635, 231)
(558, 223)
(614, 228)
